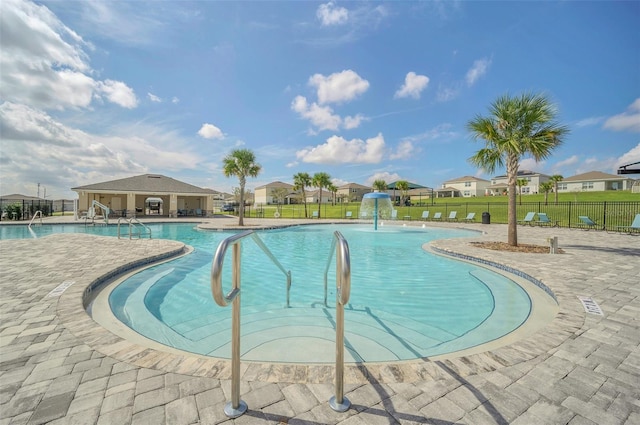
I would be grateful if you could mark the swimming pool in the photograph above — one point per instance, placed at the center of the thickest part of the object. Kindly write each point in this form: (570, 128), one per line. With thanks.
(405, 303)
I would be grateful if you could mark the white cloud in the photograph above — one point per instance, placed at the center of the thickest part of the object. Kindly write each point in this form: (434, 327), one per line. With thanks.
(572, 160)
(210, 131)
(175, 100)
(353, 122)
(338, 150)
(447, 93)
(67, 157)
(384, 175)
(531, 165)
(404, 151)
(633, 155)
(44, 63)
(587, 122)
(152, 97)
(320, 116)
(413, 85)
(330, 14)
(338, 87)
(626, 121)
(478, 69)
(118, 93)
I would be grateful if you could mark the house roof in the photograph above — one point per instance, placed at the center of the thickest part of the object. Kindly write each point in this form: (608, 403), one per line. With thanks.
(146, 183)
(447, 189)
(465, 179)
(411, 186)
(522, 173)
(354, 186)
(594, 175)
(275, 184)
(17, 196)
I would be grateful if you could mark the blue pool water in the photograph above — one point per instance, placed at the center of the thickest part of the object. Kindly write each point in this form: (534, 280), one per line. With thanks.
(405, 302)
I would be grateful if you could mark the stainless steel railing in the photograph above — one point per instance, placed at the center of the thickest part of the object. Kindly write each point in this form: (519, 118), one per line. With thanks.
(339, 402)
(37, 214)
(132, 222)
(236, 407)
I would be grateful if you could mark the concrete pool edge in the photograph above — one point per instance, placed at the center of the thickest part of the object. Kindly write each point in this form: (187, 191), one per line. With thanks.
(73, 316)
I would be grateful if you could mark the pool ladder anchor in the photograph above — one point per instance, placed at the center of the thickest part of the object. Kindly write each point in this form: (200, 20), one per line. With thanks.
(237, 407)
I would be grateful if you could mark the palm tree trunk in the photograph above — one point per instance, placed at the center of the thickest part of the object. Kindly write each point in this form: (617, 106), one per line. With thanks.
(319, 202)
(241, 207)
(512, 175)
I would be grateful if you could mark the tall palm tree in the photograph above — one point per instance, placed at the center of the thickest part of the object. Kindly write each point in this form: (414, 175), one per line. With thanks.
(545, 188)
(380, 185)
(556, 178)
(242, 164)
(333, 189)
(520, 183)
(320, 180)
(300, 182)
(516, 126)
(403, 187)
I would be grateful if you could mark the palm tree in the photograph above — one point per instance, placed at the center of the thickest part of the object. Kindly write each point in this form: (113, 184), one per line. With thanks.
(555, 179)
(520, 183)
(333, 189)
(300, 182)
(545, 188)
(516, 126)
(403, 187)
(241, 163)
(320, 180)
(380, 185)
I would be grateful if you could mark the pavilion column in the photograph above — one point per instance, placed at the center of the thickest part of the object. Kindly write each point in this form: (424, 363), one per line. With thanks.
(173, 205)
(131, 204)
(208, 207)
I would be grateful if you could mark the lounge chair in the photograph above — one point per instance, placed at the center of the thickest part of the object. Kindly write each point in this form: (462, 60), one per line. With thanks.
(587, 222)
(437, 216)
(425, 215)
(314, 214)
(633, 228)
(453, 216)
(544, 220)
(470, 217)
(363, 215)
(394, 214)
(349, 214)
(528, 219)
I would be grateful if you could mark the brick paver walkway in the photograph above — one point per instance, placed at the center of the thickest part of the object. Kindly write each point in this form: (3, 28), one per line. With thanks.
(58, 366)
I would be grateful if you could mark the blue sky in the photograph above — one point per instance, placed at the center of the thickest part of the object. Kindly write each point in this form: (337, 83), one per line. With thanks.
(94, 91)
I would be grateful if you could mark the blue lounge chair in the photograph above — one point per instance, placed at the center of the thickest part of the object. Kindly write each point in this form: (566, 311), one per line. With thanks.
(425, 215)
(453, 216)
(394, 214)
(314, 214)
(528, 219)
(470, 217)
(585, 221)
(349, 214)
(544, 220)
(437, 216)
(634, 228)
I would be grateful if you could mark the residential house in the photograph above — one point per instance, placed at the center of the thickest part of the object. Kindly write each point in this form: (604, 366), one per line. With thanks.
(147, 194)
(466, 187)
(312, 196)
(352, 192)
(595, 181)
(264, 195)
(499, 183)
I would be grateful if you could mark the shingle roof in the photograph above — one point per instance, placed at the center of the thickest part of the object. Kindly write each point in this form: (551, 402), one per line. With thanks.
(466, 179)
(593, 175)
(354, 186)
(276, 184)
(145, 183)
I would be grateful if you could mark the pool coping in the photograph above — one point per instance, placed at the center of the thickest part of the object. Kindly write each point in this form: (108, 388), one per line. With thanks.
(73, 316)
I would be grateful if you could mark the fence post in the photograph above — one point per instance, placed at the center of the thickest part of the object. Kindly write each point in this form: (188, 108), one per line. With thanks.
(570, 214)
(604, 213)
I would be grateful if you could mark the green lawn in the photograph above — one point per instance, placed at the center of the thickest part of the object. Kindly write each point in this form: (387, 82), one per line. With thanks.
(607, 208)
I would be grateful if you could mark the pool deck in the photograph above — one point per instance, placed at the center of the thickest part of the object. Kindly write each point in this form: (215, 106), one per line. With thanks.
(58, 366)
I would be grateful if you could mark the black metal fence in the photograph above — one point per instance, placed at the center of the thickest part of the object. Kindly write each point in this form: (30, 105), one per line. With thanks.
(21, 209)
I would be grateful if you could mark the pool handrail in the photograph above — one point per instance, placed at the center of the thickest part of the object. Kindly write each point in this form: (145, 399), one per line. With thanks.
(36, 214)
(236, 407)
(339, 402)
(132, 222)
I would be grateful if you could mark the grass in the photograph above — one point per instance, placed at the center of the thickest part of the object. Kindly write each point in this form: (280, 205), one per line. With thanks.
(606, 208)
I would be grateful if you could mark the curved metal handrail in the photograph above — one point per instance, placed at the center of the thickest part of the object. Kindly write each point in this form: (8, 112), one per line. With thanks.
(218, 261)
(132, 222)
(339, 402)
(236, 407)
(36, 214)
(343, 269)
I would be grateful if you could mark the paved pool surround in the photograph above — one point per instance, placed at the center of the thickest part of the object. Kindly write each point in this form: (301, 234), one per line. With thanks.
(57, 365)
